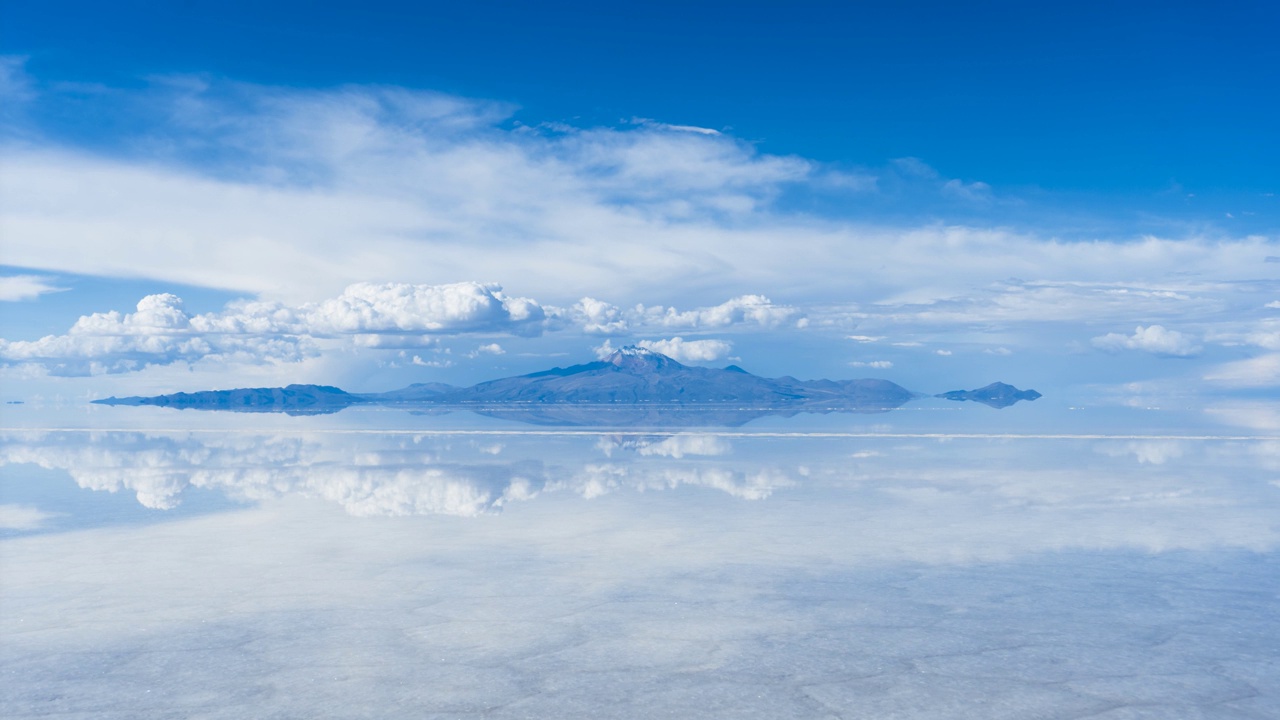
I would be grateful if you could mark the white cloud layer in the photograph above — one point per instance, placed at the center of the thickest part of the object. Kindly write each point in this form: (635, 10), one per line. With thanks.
(1155, 339)
(348, 215)
(305, 192)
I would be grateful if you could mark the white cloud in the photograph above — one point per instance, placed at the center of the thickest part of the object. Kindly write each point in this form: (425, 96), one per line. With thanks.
(1146, 452)
(436, 188)
(689, 350)
(602, 318)
(160, 332)
(1153, 339)
(598, 317)
(944, 353)
(915, 167)
(25, 287)
(648, 122)
(974, 192)
(878, 364)
(417, 360)
(750, 309)
(22, 517)
(412, 308)
(1055, 301)
(305, 192)
(678, 446)
(599, 479)
(1258, 372)
(15, 84)
(386, 316)
(489, 349)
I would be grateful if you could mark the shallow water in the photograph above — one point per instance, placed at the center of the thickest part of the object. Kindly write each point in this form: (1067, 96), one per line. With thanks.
(947, 562)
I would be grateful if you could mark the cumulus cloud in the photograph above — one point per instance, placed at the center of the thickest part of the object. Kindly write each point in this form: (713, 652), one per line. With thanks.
(676, 348)
(598, 317)
(14, 288)
(383, 316)
(750, 309)
(689, 350)
(409, 308)
(878, 364)
(306, 191)
(487, 349)
(756, 311)
(387, 316)
(159, 332)
(1155, 339)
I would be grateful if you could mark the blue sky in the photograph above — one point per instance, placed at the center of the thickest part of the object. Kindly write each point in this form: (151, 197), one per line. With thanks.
(1111, 97)
(906, 189)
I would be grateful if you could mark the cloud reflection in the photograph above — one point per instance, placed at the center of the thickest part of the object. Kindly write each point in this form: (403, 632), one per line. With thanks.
(387, 476)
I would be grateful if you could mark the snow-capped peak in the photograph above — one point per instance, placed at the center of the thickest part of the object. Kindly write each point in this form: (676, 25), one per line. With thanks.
(635, 357)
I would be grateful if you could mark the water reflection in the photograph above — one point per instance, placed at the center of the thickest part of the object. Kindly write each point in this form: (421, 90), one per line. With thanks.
(924, 498)
(695, 574)
(370, 475)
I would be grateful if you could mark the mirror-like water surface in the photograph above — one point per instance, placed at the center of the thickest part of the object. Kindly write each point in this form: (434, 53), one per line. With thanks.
(477, 569)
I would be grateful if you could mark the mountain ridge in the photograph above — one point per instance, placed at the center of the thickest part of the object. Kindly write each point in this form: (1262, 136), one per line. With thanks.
(634, 384)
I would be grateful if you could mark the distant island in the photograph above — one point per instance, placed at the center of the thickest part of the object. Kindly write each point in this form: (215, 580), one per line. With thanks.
(632, 386)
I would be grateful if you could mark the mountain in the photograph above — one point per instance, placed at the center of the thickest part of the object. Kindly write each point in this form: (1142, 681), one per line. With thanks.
(634, 375)
(417, 392)
(632, 386)
(292, 400)
(997, 395)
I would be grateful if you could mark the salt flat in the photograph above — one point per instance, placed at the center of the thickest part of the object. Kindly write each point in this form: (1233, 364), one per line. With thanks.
(321, 571)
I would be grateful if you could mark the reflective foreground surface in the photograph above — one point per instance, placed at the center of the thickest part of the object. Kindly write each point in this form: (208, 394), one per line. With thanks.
(306, 570)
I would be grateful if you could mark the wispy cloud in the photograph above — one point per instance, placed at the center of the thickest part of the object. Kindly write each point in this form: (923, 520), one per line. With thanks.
(342, 214)
(22, 517)
(15, 288)
(306, 192)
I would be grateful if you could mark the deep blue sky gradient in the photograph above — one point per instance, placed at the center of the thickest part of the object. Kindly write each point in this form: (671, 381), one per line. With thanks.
(1132, 97)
